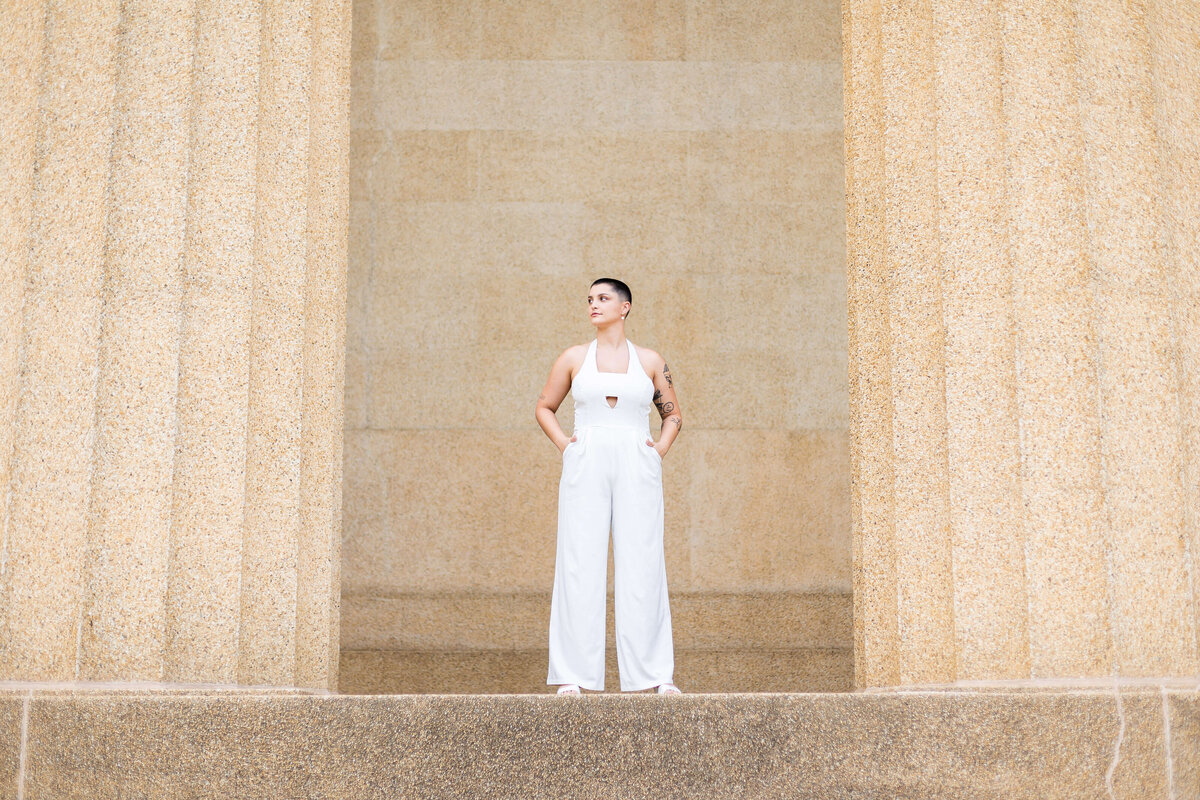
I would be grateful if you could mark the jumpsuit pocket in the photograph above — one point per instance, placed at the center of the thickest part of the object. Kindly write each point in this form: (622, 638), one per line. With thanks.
(658, 459)
(570, 445)
(574, 468)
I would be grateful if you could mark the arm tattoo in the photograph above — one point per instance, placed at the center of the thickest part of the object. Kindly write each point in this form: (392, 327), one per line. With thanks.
(664, 408)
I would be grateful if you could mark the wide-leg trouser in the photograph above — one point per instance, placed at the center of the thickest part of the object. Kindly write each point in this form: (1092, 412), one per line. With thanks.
(610, 477)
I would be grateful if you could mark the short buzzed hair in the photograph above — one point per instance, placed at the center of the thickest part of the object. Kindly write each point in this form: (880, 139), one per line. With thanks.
(619, 287)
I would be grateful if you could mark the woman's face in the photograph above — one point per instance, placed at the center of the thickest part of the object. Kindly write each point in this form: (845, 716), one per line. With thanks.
(605, 305)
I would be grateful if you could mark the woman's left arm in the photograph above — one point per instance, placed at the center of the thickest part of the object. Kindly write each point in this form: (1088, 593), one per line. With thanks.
(667, 403)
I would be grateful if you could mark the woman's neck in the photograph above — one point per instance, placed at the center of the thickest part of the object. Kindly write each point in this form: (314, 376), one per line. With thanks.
(612, 336)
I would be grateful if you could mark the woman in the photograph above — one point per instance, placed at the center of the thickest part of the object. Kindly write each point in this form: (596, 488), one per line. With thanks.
(611, 475)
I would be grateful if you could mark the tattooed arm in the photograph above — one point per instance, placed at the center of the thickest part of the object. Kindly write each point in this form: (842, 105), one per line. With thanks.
(665, 401)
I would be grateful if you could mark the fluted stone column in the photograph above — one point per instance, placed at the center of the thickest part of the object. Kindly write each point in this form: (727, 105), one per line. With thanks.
(1023, 186)
(173, 217)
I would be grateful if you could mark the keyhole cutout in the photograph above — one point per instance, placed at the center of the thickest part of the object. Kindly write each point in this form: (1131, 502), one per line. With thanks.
(612, 401)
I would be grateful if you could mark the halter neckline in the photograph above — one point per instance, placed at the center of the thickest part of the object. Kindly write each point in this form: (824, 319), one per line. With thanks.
(628, 366)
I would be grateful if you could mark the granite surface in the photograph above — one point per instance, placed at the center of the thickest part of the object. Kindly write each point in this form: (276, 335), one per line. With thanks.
(876, 619)
(712, 670)
(1021, 260)
(1183, 710)
(173, 283)
(12, 730)
(501, 620)
(989, 744)
(482, 642)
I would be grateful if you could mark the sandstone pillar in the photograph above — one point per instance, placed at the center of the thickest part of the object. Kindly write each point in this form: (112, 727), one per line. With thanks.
(173, 206)
(1023, 185)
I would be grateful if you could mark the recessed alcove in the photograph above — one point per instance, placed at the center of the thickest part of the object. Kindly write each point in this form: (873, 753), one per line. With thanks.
(504, 155)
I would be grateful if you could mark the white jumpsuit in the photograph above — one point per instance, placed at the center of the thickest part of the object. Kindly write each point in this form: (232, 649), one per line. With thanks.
(611, 478)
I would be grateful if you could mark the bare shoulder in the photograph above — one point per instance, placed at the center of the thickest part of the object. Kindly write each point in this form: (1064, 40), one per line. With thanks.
(652, 362)
(650, 357)
(572, 357)
(574, 354)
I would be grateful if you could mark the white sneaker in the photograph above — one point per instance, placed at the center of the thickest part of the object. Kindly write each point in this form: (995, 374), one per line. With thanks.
(569, 688)
(668, 688)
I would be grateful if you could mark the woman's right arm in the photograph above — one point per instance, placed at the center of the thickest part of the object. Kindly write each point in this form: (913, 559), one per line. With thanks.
(553, 393)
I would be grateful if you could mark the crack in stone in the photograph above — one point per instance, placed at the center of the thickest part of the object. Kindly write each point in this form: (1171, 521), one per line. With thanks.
(1112, 768)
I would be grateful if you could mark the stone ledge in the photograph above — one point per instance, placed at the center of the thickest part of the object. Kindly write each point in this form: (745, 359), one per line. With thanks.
(1051, 685)
(37, 688)
(708, 670)
(981, 744)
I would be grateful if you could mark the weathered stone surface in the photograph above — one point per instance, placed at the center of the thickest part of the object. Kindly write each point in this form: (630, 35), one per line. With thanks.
(11, 711)
(173, 244)
(481, 642)
(503, 620)
(716, 670)
(1022, 284)
(973, 744)
(501, 159)
(1182, 708)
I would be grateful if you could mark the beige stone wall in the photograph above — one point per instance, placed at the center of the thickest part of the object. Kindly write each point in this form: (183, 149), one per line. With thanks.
(1024, 191)
(173, 201)
(504, 155)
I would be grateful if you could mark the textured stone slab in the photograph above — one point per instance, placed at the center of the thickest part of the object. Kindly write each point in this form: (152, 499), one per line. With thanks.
(716, 670)
(489, 642)
(11, 709)
(480, 620)
(144, 688)
(1183, 711)
(974, 744)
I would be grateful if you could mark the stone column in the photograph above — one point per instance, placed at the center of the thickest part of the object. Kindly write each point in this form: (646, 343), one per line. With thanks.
(173, 221)
(1023, 189)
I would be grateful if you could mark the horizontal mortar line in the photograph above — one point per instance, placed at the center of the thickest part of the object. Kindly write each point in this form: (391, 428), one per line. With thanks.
(1090, 682)
(538, 650)
(508, 430)
(830, 126)
(600, 200)
(830, 62)
(43, 689)
(539, 593)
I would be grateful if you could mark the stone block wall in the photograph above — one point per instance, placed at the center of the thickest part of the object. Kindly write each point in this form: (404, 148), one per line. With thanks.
(503, 155)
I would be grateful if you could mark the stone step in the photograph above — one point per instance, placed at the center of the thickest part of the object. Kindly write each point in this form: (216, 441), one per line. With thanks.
(524, 671)
(1142, 744)
(479, 642)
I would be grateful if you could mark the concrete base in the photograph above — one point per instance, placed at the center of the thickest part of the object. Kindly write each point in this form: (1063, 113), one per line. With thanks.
(524, 671)
(495, 642)
(1143, 742)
